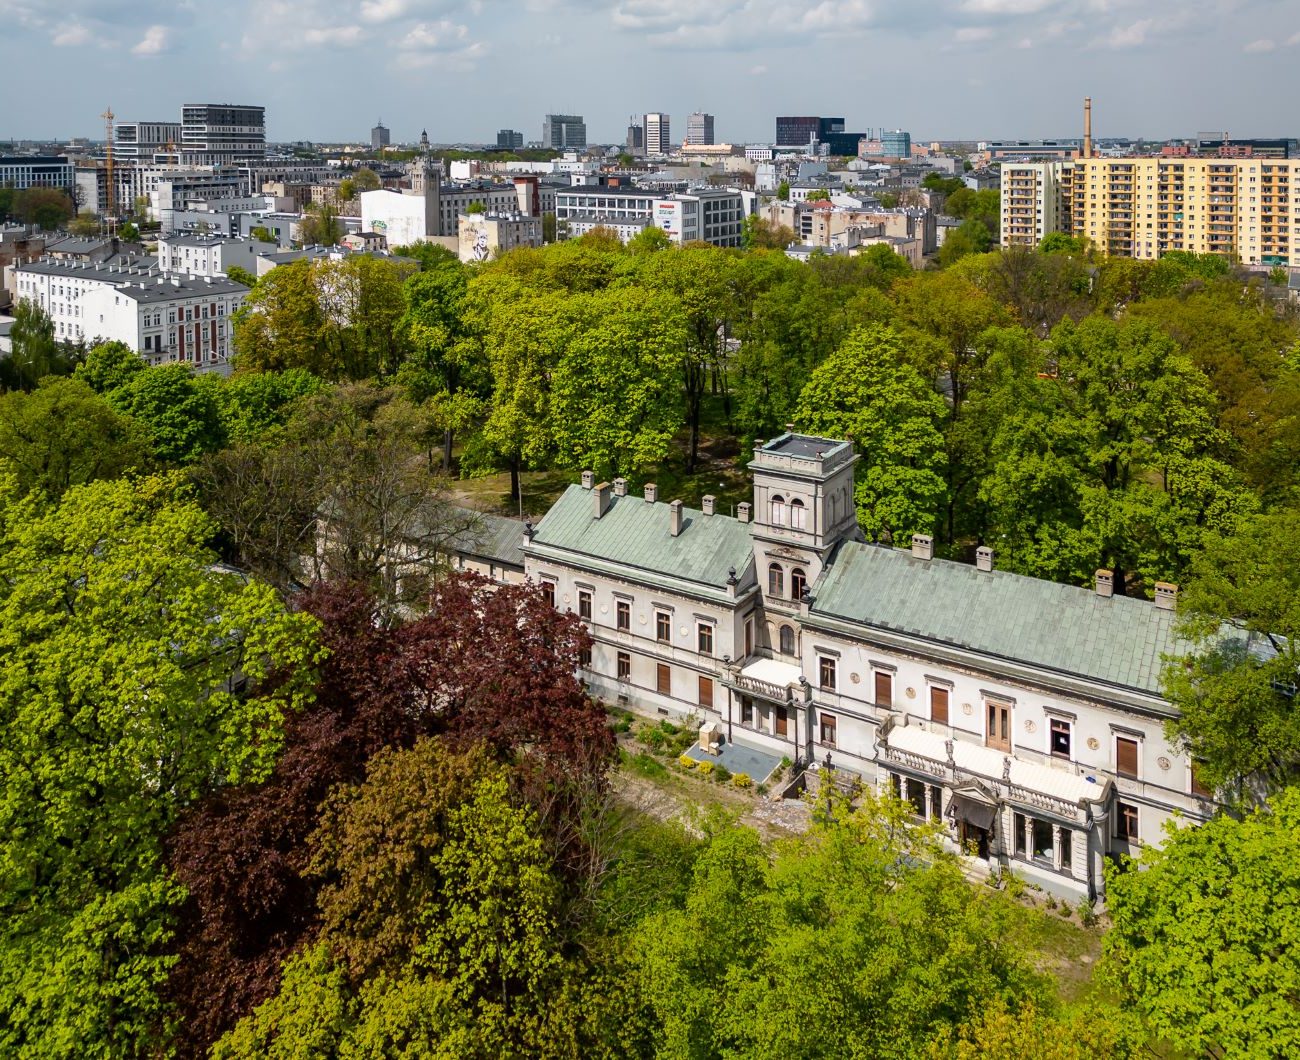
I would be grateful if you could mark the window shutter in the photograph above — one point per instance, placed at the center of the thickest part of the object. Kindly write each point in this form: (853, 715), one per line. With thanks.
(884, 688)
(1126, 757)
(939, 705)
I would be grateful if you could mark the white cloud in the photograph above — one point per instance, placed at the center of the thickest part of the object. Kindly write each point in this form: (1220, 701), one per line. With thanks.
(1005, 7)
(758, 71)
(155, 41)
(73, 36)
(971, 34)
(1131, 36)
(437, 36)
(337, 36)
(1292, 40)
(1257, 46)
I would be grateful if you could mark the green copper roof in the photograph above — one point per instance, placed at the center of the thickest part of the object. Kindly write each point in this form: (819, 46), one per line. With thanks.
(635, 534)
(1117, 640)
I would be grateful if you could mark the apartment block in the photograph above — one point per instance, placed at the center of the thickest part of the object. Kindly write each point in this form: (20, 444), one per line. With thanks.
(658, 137)
(1243, 208)
(699, 129)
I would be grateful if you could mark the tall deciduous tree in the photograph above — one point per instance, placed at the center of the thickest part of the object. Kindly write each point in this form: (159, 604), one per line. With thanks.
(610, 409)
(109, 365)
(63, 434)
(179, 415)
(120, 653)
(244, 854)
(1203, 934)
(34, 351)
(866, 391)
(1236, 691)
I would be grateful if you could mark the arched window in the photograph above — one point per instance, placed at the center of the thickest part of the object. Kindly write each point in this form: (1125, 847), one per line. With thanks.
(778, 510)
(775, 580)
(798, 583)
(787, 640)
(798, 514)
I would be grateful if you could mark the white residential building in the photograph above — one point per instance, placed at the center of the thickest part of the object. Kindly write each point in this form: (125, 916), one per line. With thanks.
(658, 137)
(164, 318)
(191, 254)
(715, 215)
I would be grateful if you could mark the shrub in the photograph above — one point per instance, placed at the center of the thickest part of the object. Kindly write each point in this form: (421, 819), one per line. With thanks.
(687, 762)
(742, 780)
(762, 789)
(705, 768)
(1051, 902)
(721, 774)
(1014, 884)
(1087, 913)
(1065, 909)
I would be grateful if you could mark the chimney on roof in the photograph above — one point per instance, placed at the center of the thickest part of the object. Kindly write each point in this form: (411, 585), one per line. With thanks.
(742, 511)
(600, 497)
(1166, 595)
(707, 502)
(984, 558)
(651, 493)
(620, 487)
(675, 518)
(923, 546)
(588, 479)
(1105, 582)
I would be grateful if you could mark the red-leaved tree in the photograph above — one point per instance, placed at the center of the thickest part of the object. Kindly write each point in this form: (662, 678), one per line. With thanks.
(486, 666)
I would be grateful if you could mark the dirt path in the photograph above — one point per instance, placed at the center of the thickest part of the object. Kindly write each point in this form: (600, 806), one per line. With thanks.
(685, 799)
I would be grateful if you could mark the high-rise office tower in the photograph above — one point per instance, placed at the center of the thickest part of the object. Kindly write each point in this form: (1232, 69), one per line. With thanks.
(509, 140)
(635, 136)
(699, 128)
(380, 136)
(564, 132)
(658, 139)
(214, 134)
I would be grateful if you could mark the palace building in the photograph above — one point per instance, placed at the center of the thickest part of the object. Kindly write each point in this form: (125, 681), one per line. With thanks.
(1024, 715)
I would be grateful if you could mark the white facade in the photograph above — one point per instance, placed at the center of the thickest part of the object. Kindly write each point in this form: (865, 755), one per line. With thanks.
(194, 255)
(164, 318)
(1042, 752)
(658, 137)
(714, 215)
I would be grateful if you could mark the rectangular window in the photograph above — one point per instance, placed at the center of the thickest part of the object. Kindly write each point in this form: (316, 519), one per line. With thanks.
(664, 679)
(999, 726)
(584, 605)
(584, 658)
(939, 705)
(1126, 821)
(828, 729)
(1067, 849)
(1022, 847)
(1126, 757)
(623, 610)
(1042, 837)
(1198, 788)
(884, 688)
(704, 636)
(1059, 738)
(663, 626)
(706, 692)
(747, 712)
(826, 673)
(624, 666)
(548, 591)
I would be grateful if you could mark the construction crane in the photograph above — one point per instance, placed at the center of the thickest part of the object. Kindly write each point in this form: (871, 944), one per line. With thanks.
(108, 117)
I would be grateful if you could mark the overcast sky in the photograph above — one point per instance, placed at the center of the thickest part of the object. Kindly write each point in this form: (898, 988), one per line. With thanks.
(976, 69)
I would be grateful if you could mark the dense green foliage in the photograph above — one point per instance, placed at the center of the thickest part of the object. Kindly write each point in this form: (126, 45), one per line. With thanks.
(215, 834)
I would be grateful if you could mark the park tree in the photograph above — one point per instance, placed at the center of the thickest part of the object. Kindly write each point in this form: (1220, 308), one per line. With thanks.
(47, 208)
(241, 275)
(320, 226)
(784, 952)
(245, 855)
(361, 303)
(34, 353)
(1202, 939)
(783, 191)
(610, 409)
(109, 365)
(1236, 688)
(63, 434)
(757, 233)
(866, 391)
(280, 323)
(254, 405)
(179, 416)
(700, 280)
(118, 709)
(86, 223)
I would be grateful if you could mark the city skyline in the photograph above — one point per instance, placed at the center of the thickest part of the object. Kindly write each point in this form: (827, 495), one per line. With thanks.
(944, 69)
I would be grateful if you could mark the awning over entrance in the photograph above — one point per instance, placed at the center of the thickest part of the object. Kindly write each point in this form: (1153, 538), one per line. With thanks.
(973, 811)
